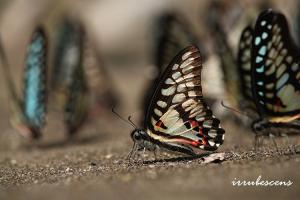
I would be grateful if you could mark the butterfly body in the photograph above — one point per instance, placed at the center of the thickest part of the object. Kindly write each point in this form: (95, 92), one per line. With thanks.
(178, 119)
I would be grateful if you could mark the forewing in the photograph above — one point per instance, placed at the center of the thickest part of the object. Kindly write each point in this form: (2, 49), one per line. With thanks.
(177, 113)
(244, 62)
(34, 98)
(172, 34)
(275, 67)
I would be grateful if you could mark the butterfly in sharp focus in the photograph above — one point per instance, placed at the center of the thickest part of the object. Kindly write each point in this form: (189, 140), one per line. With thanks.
(178, 119)
(275, 80)
(172, 33)
(68, 76)
(29, 110)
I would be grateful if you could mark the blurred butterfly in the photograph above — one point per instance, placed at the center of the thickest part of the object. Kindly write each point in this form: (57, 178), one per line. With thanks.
(178, 119)
(68, 76)
(29, 110)
(172, 33)
(236, 70)
(275, 79)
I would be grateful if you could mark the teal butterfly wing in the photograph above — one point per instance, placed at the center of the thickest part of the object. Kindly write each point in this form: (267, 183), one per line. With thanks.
(177, 114)
(35, 82)
(68, 76)
(275, 67)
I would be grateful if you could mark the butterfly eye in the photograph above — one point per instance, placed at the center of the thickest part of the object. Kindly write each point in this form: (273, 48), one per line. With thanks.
(136, 135)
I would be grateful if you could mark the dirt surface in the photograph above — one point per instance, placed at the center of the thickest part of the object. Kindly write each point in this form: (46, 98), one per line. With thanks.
(94, 165)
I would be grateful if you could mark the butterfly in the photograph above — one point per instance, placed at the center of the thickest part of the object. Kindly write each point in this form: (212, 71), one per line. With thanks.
(178, 119)
(29, 111)
(236, 68)
(236, 71)
(275, 75)
(68, 76)
(172, 33)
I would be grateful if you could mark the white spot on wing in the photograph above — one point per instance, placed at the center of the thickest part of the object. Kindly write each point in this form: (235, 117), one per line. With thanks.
(162, 104)
(157, 112)
(186, 55)
(178, 98)
(181, 87)
(211, 143)
(175, 66)
(169, 81)
(168, 91)
(176, 75)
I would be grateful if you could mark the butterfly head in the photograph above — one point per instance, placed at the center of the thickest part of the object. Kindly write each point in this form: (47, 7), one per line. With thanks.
(138, 135)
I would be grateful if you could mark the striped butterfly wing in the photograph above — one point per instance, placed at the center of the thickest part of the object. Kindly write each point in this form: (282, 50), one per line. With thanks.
(76, 107)
(177, 114)
(244, 62)
(275, 67)
(34, 97)
(172, 34)
(228, 65)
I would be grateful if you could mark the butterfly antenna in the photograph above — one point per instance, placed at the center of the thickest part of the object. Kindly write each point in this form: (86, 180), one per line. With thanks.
(127, 122)
(133, 124)
(235, 110)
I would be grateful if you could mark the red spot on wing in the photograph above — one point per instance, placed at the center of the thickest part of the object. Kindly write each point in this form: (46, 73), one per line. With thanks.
(159, 123)
(186, 141)
(193, 123)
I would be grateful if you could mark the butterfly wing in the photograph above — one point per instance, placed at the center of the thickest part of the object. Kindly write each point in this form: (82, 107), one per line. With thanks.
(172, 34)
(76, 107)
(34, 97)
(244, 62)
(177, 114)
(68, 75)
(275, 67)
(228, 65)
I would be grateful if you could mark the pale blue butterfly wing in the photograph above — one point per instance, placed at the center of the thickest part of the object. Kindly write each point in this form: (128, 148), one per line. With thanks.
(34, 97)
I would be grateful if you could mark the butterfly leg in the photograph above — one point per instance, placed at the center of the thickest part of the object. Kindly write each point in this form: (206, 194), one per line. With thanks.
(131, 153)
(274, 142)
(257, 141)
(291, 147)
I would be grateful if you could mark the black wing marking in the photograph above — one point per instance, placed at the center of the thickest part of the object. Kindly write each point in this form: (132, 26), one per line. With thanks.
(275, 67)
(177, 113)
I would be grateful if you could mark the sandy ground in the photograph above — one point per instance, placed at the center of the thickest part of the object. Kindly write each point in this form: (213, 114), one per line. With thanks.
(94, 165)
